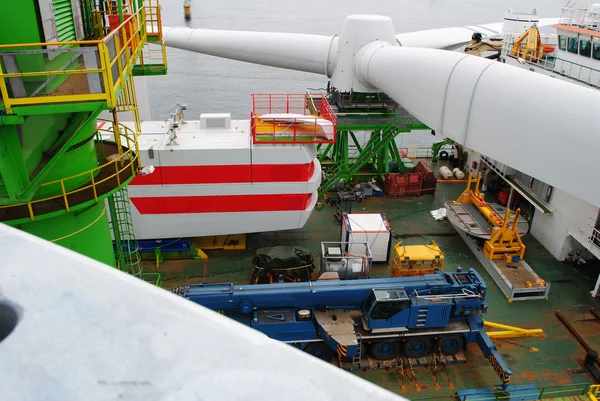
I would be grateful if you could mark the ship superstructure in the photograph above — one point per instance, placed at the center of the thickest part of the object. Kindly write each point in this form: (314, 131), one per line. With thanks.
(565, 225)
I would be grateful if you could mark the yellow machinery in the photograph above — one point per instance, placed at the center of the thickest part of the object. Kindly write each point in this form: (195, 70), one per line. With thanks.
(505, 242)
(416, 260)
(529, 45)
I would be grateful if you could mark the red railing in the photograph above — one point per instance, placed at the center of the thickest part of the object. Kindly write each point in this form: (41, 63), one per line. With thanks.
(288, 118)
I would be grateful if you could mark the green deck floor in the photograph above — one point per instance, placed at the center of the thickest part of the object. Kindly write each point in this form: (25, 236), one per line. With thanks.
(555, 364)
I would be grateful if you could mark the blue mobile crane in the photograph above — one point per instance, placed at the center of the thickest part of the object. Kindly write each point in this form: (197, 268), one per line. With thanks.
(381, 318)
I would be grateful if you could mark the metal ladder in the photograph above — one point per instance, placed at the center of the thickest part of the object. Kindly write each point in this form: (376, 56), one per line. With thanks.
(126, 247)
(422, 317)
(358, 357)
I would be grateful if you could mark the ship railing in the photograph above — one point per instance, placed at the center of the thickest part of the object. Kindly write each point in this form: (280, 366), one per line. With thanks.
(411, 153)
(75, 71)
(577, 389)
(577, 72)
(594, 392)
(315, 123)
(580, 17)
(97, 182)
(594, 239)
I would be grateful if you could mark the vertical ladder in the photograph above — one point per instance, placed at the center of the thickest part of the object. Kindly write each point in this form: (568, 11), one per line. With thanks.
(422, 317)
(358, 357)
(126, 246)
(127, 249)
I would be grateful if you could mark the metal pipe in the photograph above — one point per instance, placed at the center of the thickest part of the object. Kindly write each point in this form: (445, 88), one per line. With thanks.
(120, 8)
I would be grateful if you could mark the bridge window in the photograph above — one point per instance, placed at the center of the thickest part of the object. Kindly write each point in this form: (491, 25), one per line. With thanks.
(562, 42)
(584, 48)
(596, 51)
(385, 310)
(572, 45)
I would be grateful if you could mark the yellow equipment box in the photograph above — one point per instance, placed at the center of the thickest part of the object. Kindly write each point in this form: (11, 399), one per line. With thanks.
(416, 260)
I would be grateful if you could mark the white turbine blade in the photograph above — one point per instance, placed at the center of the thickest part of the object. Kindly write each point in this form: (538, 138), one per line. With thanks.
(453, 38)
(299, 52)
(526, 120)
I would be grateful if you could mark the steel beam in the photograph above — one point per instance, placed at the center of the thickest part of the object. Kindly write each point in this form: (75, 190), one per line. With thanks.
(575, 333)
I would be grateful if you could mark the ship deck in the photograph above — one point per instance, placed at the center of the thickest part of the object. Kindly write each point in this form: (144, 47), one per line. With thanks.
(556, 363)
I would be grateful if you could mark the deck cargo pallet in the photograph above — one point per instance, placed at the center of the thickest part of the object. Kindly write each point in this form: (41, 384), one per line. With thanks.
(395, 185)
(429, 180)
(415, 184)
(403, 185)
(372, 228)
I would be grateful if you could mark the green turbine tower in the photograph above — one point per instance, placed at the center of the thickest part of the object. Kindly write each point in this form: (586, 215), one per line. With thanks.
(62, 63)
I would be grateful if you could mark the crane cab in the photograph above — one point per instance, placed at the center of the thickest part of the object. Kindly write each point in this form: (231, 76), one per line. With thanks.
(386, 310)
(395, 310)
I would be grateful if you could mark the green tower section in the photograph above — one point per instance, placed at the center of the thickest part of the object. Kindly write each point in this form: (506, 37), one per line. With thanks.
(62, 63)
(85, 232)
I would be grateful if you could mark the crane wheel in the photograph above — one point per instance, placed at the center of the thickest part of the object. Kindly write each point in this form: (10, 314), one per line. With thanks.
(384, 350)
(320, 350)
(417, 348)
(449, 345)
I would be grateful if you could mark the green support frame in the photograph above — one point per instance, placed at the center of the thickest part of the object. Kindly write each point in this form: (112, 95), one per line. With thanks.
(373, 157)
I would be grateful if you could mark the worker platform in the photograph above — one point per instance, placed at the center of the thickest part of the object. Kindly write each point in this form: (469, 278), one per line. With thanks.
(517, 281)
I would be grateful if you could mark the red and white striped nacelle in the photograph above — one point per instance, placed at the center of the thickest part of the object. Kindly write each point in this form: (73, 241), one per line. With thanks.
(210, 178)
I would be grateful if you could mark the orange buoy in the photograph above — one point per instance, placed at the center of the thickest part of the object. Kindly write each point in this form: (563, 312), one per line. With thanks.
(548, 49)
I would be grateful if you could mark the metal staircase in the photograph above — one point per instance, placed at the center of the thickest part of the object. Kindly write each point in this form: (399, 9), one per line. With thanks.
(388, 133)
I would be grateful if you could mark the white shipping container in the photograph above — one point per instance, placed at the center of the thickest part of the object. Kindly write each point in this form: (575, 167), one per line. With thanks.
(373, 229)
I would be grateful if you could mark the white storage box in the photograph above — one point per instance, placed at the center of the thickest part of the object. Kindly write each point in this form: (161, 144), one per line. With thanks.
(373, 229)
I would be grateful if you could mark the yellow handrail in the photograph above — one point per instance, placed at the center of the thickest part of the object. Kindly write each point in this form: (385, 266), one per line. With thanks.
(594, 391)
(125, 161)
(125, 43)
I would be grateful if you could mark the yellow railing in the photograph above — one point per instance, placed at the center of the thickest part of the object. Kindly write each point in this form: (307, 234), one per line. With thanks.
(594, 391)
(126, 160)
(87, 70)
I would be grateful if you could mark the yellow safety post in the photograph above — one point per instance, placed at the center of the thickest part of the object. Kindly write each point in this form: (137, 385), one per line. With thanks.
(594, 391)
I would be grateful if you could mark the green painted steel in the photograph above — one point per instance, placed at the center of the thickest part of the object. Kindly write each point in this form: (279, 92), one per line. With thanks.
(84, 232)
(13, 174)
(51, 142)
(80, 158)
(31, 159)
(436, 147)
(20, 25)
(365, 112)
(149, 70)
(65, 26)
(126, 246)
